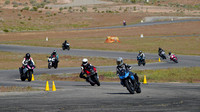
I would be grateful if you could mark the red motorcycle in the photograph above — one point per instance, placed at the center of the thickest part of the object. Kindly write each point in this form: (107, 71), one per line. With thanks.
(92, 76)
(174, 58)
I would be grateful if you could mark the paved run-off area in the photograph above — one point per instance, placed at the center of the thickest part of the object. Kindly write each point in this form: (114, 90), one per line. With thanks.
(112, 97)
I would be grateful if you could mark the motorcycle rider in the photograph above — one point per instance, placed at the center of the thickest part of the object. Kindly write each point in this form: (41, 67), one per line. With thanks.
(171, 54)
(25, 61)
(160, 50)
(65, 42)
(124, 22)
(84, 67)
(54, 54)
(141, 55)
(121, 65)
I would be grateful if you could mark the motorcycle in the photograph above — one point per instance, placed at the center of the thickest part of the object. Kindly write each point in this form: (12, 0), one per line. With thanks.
(129, 81)
(92, 76)
(124, 23)
(66, 46)
(162, 55)
(52, 62)
(174, 58)
(27, 71)
(141, 61)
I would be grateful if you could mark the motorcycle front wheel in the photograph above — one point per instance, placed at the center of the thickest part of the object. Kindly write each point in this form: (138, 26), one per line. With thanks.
(129, 85)
(29, 75)
(96, 80)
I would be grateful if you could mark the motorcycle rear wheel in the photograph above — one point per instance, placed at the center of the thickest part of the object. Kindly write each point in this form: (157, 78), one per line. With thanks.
(138, 90)
(23, 77)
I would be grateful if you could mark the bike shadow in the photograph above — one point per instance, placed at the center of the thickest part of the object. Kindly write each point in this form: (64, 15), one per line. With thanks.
(82, 85)
(119, 93)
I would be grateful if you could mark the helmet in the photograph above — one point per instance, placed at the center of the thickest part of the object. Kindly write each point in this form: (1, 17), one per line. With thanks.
(170, 53)
(85, 61)
(54, 52)
(28, 56)
(140, 52)
(159, 48)
(119, 61)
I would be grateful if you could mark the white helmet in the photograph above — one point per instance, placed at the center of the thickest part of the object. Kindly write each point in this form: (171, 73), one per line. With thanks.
(119, 61)
(85, 61)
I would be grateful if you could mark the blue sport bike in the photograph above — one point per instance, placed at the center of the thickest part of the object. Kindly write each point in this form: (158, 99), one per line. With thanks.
(128, 80)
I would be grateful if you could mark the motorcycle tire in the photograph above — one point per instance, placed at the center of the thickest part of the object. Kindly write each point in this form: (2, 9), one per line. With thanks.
(29, 75)
(92, 84)
(138, 90)
(49, 66)
(56, 65)
(128, 86)
(96, 80)
(139, 63)
(175, 61)
(68, 48)
(63, 48)
(144, 64)
(23, 78)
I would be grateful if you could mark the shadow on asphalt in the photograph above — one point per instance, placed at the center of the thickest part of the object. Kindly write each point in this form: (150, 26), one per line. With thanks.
(119, 93)
(82, 85)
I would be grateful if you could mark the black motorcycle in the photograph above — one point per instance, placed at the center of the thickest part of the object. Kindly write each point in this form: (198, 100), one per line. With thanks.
(129, 81)
(162, 55)
(52, 62)
(92, 76)
(66, 46)
(141, 61)
(27, 71)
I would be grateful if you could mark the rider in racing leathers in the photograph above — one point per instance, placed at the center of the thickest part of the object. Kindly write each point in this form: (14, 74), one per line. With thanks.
(141, 55)
(54, 54)
(26, 59)
(84, 67)
(121, 65)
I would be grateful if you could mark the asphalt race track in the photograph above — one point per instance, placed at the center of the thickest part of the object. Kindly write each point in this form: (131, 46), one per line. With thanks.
(110, 96)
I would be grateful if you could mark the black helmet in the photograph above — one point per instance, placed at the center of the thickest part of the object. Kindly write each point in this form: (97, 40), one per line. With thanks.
(28, 56)
(170, 53)
(54, 52)
(159, 48)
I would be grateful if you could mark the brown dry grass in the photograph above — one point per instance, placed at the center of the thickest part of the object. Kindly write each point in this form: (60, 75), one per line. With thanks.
(17, 89)
(129, 37)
